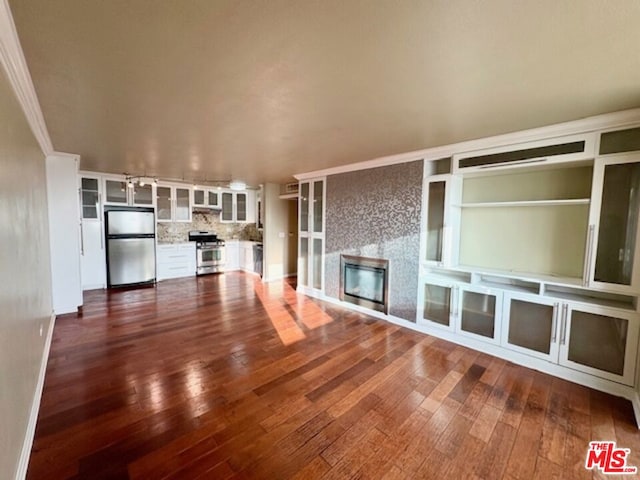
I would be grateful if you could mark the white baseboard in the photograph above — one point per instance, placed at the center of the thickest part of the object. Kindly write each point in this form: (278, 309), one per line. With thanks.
(21, 473)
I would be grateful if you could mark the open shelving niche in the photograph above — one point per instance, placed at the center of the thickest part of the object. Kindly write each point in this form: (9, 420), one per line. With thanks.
(533, 220)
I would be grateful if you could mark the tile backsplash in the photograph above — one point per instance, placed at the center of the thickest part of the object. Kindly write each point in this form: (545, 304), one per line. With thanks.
(177, 232)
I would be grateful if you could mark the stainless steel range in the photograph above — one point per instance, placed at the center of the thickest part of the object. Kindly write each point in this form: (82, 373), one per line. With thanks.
(210, 252)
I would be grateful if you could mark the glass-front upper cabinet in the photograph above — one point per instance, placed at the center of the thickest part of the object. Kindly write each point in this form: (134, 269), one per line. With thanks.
(442, 219)
(164, 203)
(115, 192)
(90, 197)
(612, 257)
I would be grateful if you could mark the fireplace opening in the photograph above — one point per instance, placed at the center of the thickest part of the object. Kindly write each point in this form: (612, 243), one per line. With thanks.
(365, 282)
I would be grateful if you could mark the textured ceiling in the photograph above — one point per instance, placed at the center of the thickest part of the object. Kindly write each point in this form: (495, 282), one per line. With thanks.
(260, 90)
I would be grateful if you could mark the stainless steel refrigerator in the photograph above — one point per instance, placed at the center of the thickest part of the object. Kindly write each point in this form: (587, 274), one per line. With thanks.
(131, 246)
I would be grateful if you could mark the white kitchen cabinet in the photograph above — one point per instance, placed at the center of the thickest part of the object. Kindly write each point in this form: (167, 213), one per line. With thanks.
(530, 325)
(600, 341)
(612, 260)
(176, 260)
(92, 252)
(232, 248)
(441, 204)
(64, 232)
(207, 198)
(118, 192)
(238, 207)
(173, 203)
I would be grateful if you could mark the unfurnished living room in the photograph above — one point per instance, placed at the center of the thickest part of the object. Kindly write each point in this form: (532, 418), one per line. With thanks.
(319, 239)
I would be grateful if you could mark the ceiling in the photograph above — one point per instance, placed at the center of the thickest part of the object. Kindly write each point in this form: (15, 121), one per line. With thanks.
(261, 90)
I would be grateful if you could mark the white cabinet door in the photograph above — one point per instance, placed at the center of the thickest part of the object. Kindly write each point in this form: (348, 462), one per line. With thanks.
(442, 219)
(233, 256)
(478, 312)
(92, 260)
(613, 260)
(530, 325)
(600, 341)
(437, 300)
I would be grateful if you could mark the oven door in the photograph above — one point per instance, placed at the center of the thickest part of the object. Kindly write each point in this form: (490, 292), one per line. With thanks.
(210, 256)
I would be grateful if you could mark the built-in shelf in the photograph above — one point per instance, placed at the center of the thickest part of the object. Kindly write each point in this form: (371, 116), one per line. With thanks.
(527, 203)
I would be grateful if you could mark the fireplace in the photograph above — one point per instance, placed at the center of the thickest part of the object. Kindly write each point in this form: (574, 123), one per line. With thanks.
(365, 282)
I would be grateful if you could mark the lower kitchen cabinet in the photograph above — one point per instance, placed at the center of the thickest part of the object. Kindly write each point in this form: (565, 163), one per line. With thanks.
(93, 264)
(176, 260)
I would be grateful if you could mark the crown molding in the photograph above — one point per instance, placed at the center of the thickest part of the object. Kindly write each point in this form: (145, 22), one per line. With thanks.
(621, 119)
(15, 67)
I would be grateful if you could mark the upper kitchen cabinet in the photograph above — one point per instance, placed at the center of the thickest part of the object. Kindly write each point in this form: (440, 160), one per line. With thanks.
(238, 207)
(119, 192)
(207, 198)
(90, 197)
(173, 203)
(612, 260)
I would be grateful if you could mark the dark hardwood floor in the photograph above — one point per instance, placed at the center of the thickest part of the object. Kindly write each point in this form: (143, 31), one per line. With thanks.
(223, 377)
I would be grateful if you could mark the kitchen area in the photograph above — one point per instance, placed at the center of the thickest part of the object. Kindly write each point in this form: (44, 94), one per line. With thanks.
(196, 230)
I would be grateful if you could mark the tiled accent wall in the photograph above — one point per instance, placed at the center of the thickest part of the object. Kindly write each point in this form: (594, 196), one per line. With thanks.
(376, 213)
(177, 232)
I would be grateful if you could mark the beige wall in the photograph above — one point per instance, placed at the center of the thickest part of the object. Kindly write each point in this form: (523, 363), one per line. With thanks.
(25, 286)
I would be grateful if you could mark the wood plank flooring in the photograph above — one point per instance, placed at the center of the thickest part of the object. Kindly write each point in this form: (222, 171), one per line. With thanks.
(223, 377)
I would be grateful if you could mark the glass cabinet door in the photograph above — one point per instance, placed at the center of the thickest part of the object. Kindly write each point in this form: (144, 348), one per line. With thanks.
(199, 198)
(163, 204)
(478, 312)
(303, 260)
(142, 194)
(304, 207)
(613, 242)
(115, 192)
(600, 341)
(183, 205)
(435, 220)
(213, 199)
(531, 325)
(438, 299)
(227, 207)
(241, 207)
(89, 197)
(318, 188)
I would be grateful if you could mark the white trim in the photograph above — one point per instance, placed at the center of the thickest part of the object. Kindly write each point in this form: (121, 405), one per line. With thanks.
(607, 121)
(23, 464)
(526, 361)
(15, 66)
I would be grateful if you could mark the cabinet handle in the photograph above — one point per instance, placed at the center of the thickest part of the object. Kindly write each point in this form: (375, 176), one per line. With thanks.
(563, 338)
(100, 216)
(554, 322)
(81, 239)
(588, 255)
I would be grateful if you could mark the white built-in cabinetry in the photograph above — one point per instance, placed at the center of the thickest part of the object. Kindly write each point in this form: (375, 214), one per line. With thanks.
(238, 207)
(117, 191)
(207, 197)
(173, 203)
(92, 252)
(176, 260)
(64, 232)
(532, 250)
(311, 234)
